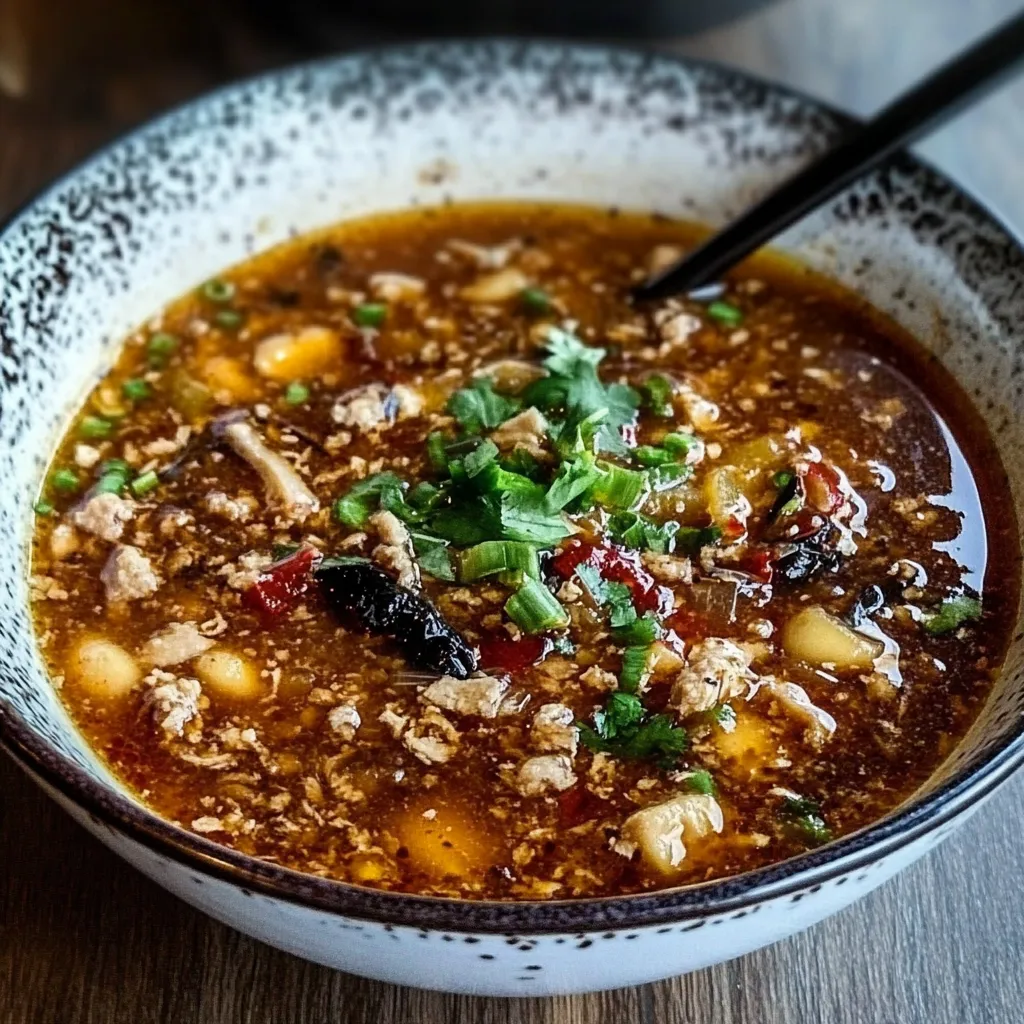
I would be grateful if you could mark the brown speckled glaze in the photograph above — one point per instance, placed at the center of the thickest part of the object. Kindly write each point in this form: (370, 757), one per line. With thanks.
(169, 205)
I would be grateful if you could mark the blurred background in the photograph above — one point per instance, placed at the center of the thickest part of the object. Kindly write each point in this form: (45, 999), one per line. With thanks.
(78, 71)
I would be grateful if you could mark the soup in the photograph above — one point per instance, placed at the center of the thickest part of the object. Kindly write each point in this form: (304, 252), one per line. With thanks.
(414, 554)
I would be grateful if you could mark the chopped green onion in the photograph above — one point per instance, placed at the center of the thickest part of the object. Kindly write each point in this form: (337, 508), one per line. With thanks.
(951, 615)
(115, 466)
(144, 483)
(218, 291)
(783, 479)
(136, 390)
(534, 609)
(635, 668)
(669, 475)
(278, 552)
(512, 578)
(296, 393)
(65, 481)
(657, 395)
(436, 452)
(95, 428)
(495, 556)
(618, 487)
(160, 348)
(535, 301)
(725, 313)
(370, 314)
(382, 490)
(678, 444)
(43, 508)
(649, 455)
(229, 319)
(700, 781)
(110, 483)
(639, 632)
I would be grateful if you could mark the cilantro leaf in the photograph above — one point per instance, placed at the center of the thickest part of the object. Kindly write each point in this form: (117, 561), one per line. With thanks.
(573, 479)
(622, 728)
(805, 817)
(951, 615)
(566, 353)
(700, 781)
(382, 490)
(479, 407)
(644, 534)
(657, 395)
(690, 539)
(526, 516)
(432, 555)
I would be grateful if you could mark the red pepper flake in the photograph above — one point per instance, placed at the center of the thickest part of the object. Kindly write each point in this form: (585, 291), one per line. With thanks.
(577, 805)
(733, 529)
(759, 564)
(500, 653)
(823, 488)
(280, 588)
(618, 565)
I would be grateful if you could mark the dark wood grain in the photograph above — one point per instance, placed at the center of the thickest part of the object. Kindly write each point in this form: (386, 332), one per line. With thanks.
(86, 940)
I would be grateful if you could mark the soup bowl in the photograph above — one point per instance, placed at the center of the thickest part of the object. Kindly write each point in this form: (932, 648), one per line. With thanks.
(170, 205)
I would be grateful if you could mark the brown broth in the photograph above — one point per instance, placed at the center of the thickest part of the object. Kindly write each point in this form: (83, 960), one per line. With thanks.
(267, 774)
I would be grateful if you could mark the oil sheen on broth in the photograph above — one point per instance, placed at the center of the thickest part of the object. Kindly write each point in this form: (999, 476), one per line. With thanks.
(412, 554)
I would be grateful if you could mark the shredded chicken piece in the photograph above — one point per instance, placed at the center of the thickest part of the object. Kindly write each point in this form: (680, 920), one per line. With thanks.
(128, 575)
(500, 286)
(479, 695)
(285, 487)
(175, 643)
(492, 257)
(395, 287)
(668, 568)
(173, 701)
(795, 701)
(553, 730)
(344, 720)
(549, 772)
(716, 670)
(658, 831)
(104, 516)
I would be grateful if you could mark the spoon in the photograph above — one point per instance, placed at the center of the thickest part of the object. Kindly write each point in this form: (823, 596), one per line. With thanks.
(926, 105)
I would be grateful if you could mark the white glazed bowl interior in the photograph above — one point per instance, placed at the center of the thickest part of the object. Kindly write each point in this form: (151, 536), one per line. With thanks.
(205, 187)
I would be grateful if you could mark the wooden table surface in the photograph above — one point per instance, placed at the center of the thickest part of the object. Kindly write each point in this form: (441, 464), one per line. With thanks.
(86, 940)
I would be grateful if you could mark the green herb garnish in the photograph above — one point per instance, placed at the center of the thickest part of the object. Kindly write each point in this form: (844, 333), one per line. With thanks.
(495, 556)
(640, 632)
(370, 314)
(725, 313)
(64, 481)
(700, 781)
(624, 729)
(136, 390)
(144, 483)
(690, 539)
(229, 319)
(534, 609)
(951, 615)
(657, 395)
(644, 534)
(217, 290)
(296, 393)
(479, 408)
(805, 816)
(43, 508)
(635, 668)
(95, 428)
(160, 348)
(433, 556)
(535, 301)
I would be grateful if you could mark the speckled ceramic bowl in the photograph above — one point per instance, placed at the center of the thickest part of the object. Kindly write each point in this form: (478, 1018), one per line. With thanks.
(170, 205)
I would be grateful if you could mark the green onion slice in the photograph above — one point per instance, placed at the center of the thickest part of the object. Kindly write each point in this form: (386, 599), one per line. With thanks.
(534, 609)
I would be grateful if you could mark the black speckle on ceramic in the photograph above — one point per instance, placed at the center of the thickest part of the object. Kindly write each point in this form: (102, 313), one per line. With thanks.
(159, 211)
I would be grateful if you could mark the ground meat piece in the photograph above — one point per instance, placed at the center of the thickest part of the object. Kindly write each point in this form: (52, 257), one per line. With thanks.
(717, 670)
(238, 510)
(86, 456)
(362, 409)
(433, 739)
(539, 775)
(63, 541)
(599, 678)
(702, 412)
(396, 552)
(553, 730)
(128, 575)
(408, 401)
(794, 701)
(395, 287)
(478, 695)
(344, 720)
(247, 571)
(104, 516)
(658, 831)
(676, 325)
(527, 430)
(393, 722)
(668, 568)
(174, 701)
(175, 643)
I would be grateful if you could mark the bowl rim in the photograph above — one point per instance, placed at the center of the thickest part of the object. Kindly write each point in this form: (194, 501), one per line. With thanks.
(732, 896)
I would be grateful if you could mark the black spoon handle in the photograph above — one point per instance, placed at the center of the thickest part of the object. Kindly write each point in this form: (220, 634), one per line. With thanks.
(925, 105)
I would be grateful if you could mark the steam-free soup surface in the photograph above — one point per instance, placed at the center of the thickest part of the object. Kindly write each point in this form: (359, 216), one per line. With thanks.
(413, 554)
